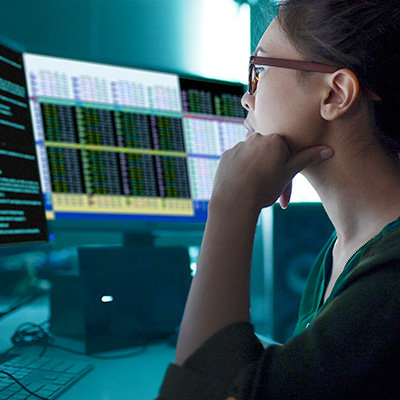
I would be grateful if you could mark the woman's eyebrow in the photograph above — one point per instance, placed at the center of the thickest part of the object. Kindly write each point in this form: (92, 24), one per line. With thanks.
(259, 50)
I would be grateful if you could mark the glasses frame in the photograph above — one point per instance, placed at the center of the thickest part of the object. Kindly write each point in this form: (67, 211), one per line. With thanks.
(283, 63)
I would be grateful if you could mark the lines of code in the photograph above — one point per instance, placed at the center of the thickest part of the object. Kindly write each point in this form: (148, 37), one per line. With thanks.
(22, 217)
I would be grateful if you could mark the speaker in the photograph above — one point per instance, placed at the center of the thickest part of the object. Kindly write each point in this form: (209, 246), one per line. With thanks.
(299, 233)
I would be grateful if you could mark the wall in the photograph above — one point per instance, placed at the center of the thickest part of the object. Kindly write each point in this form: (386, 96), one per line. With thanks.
(145, 33)
(262, 13)
(168, 35)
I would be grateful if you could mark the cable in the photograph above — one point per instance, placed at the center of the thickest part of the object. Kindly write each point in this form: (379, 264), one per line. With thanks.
(23, 386)
(29, 333)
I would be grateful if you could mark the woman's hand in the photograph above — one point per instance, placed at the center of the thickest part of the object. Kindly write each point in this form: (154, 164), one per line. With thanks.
(256, 172)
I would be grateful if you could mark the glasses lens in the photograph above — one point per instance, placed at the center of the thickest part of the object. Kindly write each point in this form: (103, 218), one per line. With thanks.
(253, 76)
(251, 88)
(250, 79)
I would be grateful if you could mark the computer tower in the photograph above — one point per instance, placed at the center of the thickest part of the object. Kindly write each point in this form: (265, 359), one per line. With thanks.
(132, 295)
(122, 297)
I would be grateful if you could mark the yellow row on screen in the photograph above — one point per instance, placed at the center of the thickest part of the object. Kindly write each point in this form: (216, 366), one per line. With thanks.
(85, 203)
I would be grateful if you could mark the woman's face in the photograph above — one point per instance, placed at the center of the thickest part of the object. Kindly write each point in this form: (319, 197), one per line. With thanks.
(284, 102)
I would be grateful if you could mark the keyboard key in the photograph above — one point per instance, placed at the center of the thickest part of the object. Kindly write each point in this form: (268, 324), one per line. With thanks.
(20, 396)
(76, 369)
(44, 393)
(63, 380)
(10, 391)
(34, 386)
(50, 378)
(51, 388)
(3, 385)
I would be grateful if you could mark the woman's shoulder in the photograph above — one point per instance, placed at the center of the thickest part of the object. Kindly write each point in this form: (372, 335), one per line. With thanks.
(385, 249)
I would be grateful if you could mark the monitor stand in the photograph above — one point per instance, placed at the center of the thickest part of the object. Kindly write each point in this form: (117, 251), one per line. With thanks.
(138, 240)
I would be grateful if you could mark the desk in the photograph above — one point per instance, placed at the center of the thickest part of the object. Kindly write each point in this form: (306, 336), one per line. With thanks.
(134, 378)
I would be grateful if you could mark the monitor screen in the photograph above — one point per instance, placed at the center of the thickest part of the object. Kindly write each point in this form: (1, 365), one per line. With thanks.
(118, 143)
(22, 216)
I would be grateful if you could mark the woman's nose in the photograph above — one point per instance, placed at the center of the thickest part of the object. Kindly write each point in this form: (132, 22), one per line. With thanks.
(248, 101)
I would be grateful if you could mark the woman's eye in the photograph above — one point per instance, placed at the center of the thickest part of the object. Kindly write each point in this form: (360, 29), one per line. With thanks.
(259, 69)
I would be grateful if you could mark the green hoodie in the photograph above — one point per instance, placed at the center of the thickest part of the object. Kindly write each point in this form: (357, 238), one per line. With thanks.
(347, 348)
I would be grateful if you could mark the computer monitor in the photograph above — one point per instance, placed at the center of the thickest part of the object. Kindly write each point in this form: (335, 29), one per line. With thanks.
(123, 146)
(22, 216)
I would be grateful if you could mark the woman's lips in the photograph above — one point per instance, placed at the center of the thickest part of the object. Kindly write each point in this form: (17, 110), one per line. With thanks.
(250, 130)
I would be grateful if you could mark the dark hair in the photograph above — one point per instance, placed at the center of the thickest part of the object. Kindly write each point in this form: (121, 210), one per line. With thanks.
(362, 35)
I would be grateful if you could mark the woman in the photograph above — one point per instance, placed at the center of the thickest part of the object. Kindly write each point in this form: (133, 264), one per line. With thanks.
(340, 126)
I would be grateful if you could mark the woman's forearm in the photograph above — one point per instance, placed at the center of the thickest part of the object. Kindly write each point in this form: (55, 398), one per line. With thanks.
(219, 295)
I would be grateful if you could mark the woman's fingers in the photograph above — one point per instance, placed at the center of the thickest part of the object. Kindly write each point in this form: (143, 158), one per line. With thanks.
(284, 198)
(258, 171)
(309, 156)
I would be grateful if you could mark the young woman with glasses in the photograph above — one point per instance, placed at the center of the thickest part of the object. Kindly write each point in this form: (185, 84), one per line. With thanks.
(322, 100)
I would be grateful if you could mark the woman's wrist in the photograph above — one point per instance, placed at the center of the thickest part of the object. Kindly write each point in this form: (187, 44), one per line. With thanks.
(242, 209)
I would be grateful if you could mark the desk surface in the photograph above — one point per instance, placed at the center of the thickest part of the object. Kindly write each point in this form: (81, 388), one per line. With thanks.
(133, 378)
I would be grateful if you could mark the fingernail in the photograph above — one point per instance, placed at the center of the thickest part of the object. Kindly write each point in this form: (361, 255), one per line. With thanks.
(326, 153)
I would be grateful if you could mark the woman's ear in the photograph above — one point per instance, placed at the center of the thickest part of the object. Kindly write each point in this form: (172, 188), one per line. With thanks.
(342, 90)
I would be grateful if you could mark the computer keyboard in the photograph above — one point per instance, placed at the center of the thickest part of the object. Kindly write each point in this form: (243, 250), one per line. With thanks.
(46, 377)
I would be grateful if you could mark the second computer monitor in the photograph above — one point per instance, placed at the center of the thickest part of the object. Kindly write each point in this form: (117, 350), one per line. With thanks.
(124, 143)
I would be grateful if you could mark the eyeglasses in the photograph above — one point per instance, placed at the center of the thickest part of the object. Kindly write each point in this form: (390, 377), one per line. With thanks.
(282, 63)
